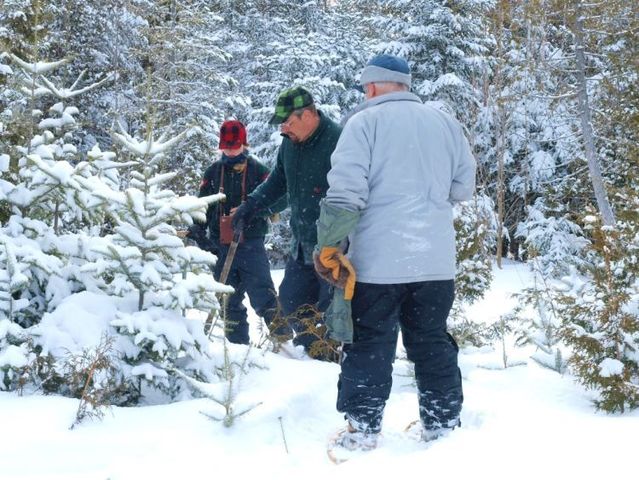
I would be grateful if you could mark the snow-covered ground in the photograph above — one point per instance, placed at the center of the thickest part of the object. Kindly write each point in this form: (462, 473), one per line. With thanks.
(522, 422)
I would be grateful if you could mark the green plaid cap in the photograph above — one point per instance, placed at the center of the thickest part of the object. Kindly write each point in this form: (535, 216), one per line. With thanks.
(289, 101)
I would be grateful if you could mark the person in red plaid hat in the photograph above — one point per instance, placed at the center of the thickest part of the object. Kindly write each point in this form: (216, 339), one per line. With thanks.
(236, 174)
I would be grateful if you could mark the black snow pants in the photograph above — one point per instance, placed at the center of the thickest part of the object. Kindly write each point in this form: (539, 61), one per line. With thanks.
(420, 309)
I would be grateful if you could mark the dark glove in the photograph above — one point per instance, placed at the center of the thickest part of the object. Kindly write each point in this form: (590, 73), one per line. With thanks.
(197, 233)
(243, 214)
(211, 247)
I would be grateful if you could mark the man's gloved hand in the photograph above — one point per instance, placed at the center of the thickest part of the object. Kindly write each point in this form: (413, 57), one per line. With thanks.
(197, 233)
(243, 214)
(211, 247)
(331, 264)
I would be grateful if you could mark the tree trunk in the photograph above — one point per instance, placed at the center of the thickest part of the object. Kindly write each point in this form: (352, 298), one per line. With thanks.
(607, 215)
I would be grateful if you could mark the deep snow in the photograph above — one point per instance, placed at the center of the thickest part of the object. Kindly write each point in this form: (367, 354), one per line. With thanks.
(524, 422)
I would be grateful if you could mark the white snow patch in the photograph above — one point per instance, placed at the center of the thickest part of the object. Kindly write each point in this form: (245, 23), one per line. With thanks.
(610, 367)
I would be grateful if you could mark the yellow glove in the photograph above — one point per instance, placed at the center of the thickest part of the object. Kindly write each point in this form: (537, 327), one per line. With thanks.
(334, 267)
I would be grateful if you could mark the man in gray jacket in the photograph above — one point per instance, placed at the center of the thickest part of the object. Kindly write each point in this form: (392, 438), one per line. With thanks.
(397, 170)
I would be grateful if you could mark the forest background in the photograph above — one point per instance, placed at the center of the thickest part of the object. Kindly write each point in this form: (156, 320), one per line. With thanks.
(546, 89)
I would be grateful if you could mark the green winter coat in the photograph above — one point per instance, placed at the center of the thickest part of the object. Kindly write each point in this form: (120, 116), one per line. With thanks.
(300, 175)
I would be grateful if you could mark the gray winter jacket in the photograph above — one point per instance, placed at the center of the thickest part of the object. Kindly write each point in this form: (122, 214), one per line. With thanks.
(402, 164)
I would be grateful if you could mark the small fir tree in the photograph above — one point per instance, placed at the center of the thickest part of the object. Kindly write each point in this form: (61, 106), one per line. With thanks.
(544, 326)
(46, 203)
(600, 319)
(145, 257)
(475, 240)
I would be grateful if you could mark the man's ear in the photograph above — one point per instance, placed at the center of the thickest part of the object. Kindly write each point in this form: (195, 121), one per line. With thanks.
(369, 90)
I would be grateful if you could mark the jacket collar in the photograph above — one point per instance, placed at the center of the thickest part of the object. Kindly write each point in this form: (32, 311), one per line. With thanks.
(388, 97)
(391, 97)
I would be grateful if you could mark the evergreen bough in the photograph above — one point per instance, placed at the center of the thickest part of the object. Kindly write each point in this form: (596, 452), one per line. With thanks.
(600, 321)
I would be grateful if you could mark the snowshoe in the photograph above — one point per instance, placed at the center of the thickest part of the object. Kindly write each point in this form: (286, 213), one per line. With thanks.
(416, 431)
(348, 443)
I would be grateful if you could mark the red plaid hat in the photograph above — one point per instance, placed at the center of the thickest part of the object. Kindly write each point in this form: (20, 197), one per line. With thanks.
(232, 135)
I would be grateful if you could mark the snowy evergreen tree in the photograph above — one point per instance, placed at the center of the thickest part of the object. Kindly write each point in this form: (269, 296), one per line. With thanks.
(475, 238)
(144, 257)
(275, 45)
(146, 253)
(46, 233)
(600, 315)
(580, 41)
(43, 196)
(99, 37)
(444, 41)
(498, 138)
(53, 246)
(190, 82)
(580, 82)
(14, 354)
(527, 157)
(544, 324)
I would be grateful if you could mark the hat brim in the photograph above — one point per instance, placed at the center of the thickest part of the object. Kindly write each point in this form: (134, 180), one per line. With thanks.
(276, 120)
(230, 146)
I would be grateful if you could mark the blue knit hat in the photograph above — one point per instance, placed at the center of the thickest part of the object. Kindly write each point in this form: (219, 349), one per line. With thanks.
(386, 68)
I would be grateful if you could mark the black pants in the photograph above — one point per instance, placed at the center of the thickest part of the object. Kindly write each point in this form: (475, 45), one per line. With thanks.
(420, 310)
(250, 273)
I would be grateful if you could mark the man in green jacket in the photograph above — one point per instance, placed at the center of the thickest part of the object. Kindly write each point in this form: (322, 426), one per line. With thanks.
(303, 160)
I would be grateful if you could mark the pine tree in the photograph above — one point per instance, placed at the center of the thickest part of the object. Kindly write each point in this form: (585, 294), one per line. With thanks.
(146, 252)
(186, 61)
(43, 197)
(14, 354)
(144, 257)
(475, 240)
(312, 44)
(46, 232)
(600, 323)
(580, 36)
(444, 41)
(99, 37)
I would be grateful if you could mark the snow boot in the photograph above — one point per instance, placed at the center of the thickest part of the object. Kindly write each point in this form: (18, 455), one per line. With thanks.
(416, 429)
(346, 442)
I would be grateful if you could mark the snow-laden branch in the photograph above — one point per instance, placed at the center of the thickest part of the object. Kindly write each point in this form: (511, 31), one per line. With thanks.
(5, 69)
(61, 172)
(149, 147)
(38, 67)
(32, 87)
(64, 93)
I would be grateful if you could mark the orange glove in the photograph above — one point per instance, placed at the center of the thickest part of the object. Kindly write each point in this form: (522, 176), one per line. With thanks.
(334, 267)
